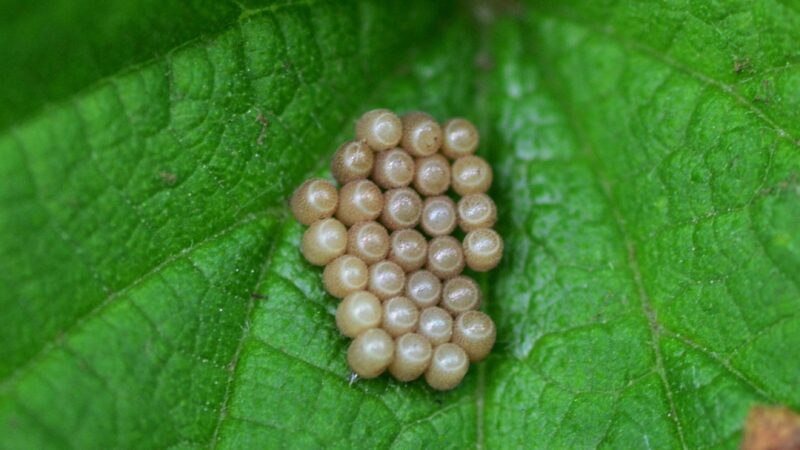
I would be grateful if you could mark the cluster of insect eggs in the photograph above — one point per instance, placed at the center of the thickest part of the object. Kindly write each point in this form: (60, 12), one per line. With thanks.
(404, 301)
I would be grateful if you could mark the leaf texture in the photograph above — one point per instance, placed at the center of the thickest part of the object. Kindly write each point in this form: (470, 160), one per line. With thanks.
(646, 160)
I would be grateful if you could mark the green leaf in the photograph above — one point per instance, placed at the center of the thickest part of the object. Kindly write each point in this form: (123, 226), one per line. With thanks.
(151, 289)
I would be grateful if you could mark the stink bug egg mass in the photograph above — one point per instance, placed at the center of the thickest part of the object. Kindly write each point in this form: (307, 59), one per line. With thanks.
(405, 303)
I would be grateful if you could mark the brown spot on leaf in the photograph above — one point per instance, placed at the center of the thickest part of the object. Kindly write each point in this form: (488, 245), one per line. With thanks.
(771, 428)
(168, 178)
(484, 61)
(788, 184)
(740, 65)
(264, 125)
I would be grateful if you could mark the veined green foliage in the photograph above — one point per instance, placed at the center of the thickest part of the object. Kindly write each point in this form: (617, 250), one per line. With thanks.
(152, 293)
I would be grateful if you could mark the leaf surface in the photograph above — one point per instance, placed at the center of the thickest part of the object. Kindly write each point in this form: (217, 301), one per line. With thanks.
(646, 161)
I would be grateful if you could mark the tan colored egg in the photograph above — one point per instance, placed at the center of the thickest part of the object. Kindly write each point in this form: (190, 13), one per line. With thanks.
(438, 216)
(345, 275)
(357, 313)
(422, 134)
(381, 129)
(470, 175)
(448, 366)
(475, 332)
(460, 138)
(400, 316)
(352, 161)
(445, 257)
(423, 288)
(393, 169)
(386, 279)
(368, 241)
(460, 294)
(483, 249)
(412, 355)
(436, 325)
(314, 200)
(408, 249)
(402, 209)
(432, 176)
(371, 353)
(323, 241)
(476, 211)
(359, 201)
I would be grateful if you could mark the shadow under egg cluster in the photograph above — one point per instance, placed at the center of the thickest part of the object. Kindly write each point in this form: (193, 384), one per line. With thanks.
(385, 238)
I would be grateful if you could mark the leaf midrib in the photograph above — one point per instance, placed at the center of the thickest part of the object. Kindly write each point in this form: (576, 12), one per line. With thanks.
(253, 306)
(655, 329)
(722, 87)
(630, 252)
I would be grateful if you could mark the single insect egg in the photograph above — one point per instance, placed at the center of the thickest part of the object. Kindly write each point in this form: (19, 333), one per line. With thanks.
(460, 138)
(412, 355)
(460, 294)
(435, 324)
(423, 288)
(386, 279)
(381, 129)
(476, 211)
(313, 200)
(368, 241)
(371, 353)
(422, 135)
(438, 216)
(475, 332)
(402, 209)
(432, 176)
(393, 169)
(408, 249)
(445, 257)
(359, 201)
(400, 316)
(358, 312)
(323, 241)
(471, 174)
(352, 161)
(448, 366)
(345, 275)
(483, 249)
